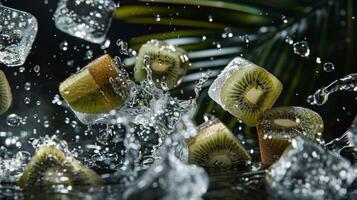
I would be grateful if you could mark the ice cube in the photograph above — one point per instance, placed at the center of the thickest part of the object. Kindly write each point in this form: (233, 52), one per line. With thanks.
(85, 19)
(18, 31)
(175, 180)
(307, 171)
(215, 90)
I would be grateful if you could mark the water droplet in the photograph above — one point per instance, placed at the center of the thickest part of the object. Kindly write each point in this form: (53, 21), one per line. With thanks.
(27, 100)
(88, 55)
(123, 47)
(27, 86)
(302, 49)
(329, 67)
(37, 68)
(318, 60)
(158, 18)
(64, 46)
(13, 120)
(210, 18)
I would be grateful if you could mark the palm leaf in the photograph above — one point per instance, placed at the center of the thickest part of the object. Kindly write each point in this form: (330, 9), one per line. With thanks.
(260, 29)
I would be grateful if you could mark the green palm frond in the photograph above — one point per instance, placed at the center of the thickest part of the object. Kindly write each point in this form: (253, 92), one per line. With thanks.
(260, 30)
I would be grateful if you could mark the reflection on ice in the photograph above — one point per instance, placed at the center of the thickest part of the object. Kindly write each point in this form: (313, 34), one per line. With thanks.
(307, 171)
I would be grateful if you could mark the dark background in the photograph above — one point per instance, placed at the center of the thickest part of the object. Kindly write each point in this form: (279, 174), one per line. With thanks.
(52, 60)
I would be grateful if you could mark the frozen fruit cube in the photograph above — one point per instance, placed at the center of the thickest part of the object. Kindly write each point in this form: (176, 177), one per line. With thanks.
(85, 19)
(245, 90)
(18, 31)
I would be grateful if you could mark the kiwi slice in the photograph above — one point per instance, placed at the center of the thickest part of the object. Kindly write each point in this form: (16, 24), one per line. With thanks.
(50, 167)
(5, 94)
(98, 88)
(215, 146)
(168, 63)
(278, 126)
(245, 90)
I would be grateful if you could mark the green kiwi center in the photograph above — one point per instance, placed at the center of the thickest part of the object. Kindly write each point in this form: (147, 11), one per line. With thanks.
(159, 66)
(254, 94)
(219, 158)
(288, 123)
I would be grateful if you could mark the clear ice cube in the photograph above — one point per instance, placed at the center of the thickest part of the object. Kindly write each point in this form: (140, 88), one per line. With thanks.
(307, 171)
(170, 179)
(85, 19)
(18, 31)
(214, 91)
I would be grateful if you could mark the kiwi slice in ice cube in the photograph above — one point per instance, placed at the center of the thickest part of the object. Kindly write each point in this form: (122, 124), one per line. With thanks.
(168, 63)
(98, 88)
(248, 91)
(278, 126)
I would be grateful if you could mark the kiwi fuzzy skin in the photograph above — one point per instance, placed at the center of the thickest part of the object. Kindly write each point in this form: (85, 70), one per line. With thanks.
(175, 59)
(49, 158)
(214, 137)
(274, 139)
(5, 93)
(91, 90)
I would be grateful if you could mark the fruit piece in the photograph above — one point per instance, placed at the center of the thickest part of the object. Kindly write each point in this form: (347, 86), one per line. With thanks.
(98, 88)
(215, 146)
(278, 126)
(5, 93)
(168, 63)
(51, 167)
(245, 90)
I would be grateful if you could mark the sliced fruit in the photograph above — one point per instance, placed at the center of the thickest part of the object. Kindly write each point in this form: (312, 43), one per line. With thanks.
(278, 126)
(245, 90)
(168, 63)
(5, 94)
(50, 167)
(98, 88)
(215, 146)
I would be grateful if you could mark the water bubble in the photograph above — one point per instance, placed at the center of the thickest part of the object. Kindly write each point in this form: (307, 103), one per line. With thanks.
(21, 69)
(302, 49)
(27, 86)
(210, 18)
(27, 100)
(13, 120)
(106, 44)
(88, 55)
(37, 68)
(204, 37)
(123, 47)
(329, 67)
(70, 63)
(64, 46)
(318, 60)
(157, 18)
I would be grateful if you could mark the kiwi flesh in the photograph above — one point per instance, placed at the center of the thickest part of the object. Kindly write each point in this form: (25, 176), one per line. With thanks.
(5, 93)
(246, 90)
(168, 63)
(50, 167)
(215, 146)
(92, 89)
(278, 126)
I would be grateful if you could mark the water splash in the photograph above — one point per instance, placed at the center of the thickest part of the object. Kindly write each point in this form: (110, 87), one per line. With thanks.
(347, 83)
